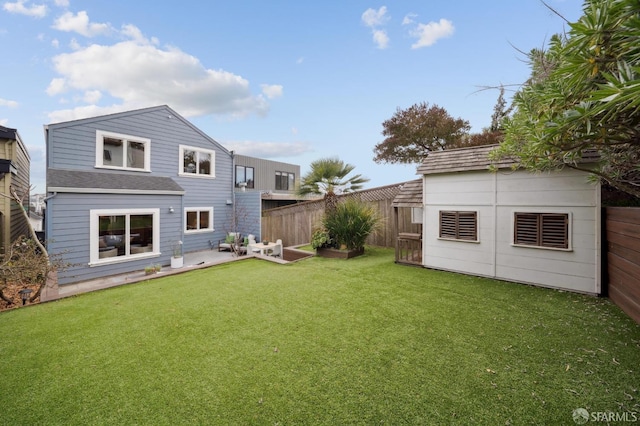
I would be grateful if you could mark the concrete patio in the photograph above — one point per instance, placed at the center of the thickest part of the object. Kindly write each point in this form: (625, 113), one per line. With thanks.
(192, 261)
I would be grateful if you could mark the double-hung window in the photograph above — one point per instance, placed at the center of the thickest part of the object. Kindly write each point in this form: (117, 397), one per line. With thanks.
(198, 219)
(123, 234)
(459, 225)
(197, 161)
(118, 151)
(548, 230)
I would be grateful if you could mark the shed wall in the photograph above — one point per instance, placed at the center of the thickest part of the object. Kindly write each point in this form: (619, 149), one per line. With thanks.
(496, 197)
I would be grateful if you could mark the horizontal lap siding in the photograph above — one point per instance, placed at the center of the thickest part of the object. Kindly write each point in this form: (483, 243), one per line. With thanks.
(564, 191)
(71, 225)
(460, 192)
(497, 197)
(72, 146)
(623, 258)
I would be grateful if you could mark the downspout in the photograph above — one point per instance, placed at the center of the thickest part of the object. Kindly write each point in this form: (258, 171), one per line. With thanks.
(495, 225)
(233, 190)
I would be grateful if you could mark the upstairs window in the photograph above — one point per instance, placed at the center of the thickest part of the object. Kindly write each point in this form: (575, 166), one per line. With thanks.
(197, 161)
(549, 230)
(285, 181)
(118, 151)
(459, 225)
(244, 175)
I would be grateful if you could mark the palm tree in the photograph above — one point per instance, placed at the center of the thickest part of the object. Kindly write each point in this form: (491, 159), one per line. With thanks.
(328, 177)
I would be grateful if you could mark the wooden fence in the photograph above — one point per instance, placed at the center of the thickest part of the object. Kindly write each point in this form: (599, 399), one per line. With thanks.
(294, 224)
(622, 225)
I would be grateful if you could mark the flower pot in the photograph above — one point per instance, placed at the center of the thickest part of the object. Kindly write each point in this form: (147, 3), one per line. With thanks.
(177, 262)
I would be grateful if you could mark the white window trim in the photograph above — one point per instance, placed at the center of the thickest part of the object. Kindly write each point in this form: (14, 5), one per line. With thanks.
(100, 135)
(198, 210)
(543, 210)
(197, 174)
(94, 230)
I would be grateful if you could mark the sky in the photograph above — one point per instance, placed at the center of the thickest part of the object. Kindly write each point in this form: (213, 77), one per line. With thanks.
(290, 81)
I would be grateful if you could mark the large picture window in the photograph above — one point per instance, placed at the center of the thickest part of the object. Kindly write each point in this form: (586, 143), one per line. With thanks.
(198, 219)
(549, 230)
(244, 175)
(285, 181)
(459, 225)
(197, 162)
(123, 234)
(118, 151)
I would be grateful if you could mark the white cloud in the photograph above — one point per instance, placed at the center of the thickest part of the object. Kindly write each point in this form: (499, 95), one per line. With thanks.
(92, 96)
(139, 74)
(55, 43)
(4, 121)
(428, 34)
(8, 103)
(271, 91)
(381, 39)
(268, 149)
(373, 18)
(80, 24)
(19, 7)
(62, 3)
(56, 87)
(409, 19)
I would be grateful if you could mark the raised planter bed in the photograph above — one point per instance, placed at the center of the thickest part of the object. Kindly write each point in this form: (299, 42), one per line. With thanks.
(339, 254)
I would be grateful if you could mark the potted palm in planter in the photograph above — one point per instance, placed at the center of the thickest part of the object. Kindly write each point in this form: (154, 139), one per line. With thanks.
(177, 260)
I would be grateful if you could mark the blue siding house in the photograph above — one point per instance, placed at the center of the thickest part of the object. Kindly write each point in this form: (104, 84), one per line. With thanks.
(124, 189)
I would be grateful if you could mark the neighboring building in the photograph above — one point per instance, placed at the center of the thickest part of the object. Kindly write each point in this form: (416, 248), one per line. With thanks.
(14, 173)
(541, 229)
(124, 189)
(275, 181)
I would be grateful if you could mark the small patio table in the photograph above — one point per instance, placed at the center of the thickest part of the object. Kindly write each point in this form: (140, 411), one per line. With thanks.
(262, 247)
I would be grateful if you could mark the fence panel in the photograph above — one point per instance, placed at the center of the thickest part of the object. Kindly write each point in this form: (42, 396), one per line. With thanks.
(294, 224)
(623, 258)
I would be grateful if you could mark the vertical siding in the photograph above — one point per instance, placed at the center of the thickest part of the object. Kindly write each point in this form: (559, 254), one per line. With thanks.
(72, 145)
(265, 172)
(14, 223)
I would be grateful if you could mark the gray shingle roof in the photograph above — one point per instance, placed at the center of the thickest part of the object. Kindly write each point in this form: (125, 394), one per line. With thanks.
(462, 159)
(410, 195)
(61, 180)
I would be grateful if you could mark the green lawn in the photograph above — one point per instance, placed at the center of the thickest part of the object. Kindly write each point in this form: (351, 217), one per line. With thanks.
(320, 341)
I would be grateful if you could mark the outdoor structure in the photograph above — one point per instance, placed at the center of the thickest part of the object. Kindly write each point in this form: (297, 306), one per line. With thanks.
(273, 180)
(409, 239)
(14, 173)
(131, 189)
(542, 229)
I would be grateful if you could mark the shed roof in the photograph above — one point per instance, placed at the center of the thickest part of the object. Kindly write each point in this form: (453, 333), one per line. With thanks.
(61, 180)
(461, 159)
(410, 195)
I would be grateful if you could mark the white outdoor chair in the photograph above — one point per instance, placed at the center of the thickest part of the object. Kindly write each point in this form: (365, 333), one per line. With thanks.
(277, 250)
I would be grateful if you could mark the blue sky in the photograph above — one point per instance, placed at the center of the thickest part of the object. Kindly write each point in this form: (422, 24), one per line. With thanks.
(291, 81)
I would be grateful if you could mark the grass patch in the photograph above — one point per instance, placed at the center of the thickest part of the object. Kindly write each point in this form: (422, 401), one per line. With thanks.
(322, 341)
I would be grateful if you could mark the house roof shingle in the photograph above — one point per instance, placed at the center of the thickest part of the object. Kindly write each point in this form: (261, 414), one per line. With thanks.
(61, 180)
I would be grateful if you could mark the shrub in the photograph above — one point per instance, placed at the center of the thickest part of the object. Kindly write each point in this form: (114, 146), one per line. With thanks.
(320, 239)
(351, 223)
